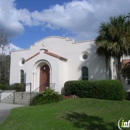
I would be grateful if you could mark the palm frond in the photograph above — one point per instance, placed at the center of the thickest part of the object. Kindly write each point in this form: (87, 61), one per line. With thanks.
(114, 37)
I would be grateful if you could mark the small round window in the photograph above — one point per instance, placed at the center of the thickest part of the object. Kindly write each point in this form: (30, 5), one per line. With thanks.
(85, 56)
(22, 62)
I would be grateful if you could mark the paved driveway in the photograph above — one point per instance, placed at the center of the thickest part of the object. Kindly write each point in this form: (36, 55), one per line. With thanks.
(5, 110)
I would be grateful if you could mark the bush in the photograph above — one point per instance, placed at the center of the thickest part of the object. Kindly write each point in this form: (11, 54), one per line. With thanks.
(110, 89)
(3, 86)
(16, 86)
(47, 96)
(102, 89)
(78, 88)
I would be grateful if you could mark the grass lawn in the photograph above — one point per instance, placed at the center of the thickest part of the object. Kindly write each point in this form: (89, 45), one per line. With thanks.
(69, 114)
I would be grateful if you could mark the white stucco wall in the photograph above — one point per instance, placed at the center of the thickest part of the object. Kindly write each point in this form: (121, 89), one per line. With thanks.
(61, 71)
(62, 75)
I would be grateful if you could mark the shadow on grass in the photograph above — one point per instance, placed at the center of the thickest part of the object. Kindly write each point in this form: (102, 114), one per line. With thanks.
(86, 122)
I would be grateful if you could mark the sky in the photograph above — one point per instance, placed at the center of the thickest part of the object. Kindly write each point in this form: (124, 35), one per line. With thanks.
(28, 21)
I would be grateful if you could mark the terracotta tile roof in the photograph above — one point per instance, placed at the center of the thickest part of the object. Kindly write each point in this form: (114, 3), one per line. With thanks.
(55, 55)
(32, 56)
(125, 61)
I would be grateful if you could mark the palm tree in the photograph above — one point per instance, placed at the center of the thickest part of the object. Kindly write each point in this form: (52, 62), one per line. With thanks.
(114, 40)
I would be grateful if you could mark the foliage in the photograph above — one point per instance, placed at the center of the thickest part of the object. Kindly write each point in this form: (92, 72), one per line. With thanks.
(126, 71)
(78, 88)
(2, 86)
(47, 96)
(109, 89)
(102, 89)
(48, 92)
(16, 86)
(4, 59)
(4, 69)
(113, 40)
(37, 100)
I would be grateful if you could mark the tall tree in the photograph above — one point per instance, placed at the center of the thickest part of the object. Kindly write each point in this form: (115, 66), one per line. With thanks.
(4, 60)
(4, 39)
(114, 40)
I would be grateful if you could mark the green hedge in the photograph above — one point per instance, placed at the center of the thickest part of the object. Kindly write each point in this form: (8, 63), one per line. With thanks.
(102, 89)
(79, 88)
(47, 96)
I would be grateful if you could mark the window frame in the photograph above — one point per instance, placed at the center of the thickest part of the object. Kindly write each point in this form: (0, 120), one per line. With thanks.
(85, 74)
(21, 76)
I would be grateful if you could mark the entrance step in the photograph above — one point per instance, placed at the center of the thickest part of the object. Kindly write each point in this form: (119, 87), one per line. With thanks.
(19, 98)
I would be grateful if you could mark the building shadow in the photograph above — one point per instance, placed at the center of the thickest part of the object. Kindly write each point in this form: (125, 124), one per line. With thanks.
(96, 64)
(87, 122)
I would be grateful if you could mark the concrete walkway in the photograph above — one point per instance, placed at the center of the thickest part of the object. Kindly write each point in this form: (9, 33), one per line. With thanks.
(5, 110)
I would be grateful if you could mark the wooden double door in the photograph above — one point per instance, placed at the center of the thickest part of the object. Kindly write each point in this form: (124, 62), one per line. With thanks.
(44, 77)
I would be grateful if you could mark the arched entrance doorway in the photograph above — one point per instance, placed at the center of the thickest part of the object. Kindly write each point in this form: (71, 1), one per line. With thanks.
(44, 77)
(41, 75)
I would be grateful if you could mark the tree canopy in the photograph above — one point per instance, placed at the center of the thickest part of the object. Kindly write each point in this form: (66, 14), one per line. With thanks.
(114, 39)
(4, 59)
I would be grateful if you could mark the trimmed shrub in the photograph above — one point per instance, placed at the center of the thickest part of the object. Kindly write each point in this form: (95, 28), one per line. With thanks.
(109, 89)
(72, 87)
(102, 89)
(45, 97)
(79, 88)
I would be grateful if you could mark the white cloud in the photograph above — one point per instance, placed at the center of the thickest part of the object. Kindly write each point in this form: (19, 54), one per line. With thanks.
(81, 17)
(9, 17)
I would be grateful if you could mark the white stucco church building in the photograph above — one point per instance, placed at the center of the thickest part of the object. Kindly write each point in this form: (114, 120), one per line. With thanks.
(52, 61)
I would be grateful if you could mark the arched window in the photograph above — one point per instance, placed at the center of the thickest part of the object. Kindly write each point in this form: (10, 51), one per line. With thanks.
(84, 73)
(22, 76)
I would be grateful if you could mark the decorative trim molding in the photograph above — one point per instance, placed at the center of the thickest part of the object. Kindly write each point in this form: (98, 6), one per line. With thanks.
(55, 55)
(32, 56)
